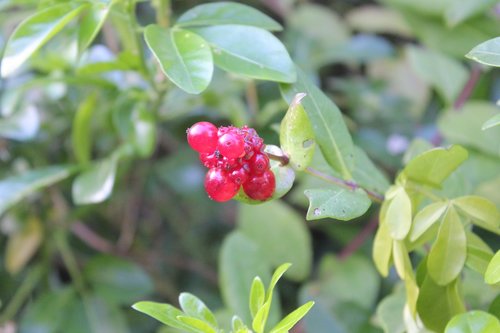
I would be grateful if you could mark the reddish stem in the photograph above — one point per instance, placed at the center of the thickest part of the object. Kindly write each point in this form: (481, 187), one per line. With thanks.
(468, 88)
(360, 238)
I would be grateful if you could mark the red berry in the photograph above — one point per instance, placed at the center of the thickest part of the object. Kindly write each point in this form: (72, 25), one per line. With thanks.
(219, 186)
(202, 137)
(239, 176)
(260, 187)
(209, 160)
(231, 145)
(259, 164)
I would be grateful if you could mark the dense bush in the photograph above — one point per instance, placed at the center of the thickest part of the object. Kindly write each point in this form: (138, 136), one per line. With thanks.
(102, 202)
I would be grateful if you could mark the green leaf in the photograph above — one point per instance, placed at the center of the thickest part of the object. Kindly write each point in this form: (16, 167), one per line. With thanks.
(194, 307)
(199, 325)
(459, 11)
(253, 222)
(463, 127)
(492, 274)
(91, 23)
(436, 304)
(291, 319)
(434, 166)
(367, 174)
(473, 322)
(328, 124)
(22, 245)
(390, 313)
(492, 122)
(278, 273)
(296, 135)
(34, 32)
(378, 19)
(399, 214)
(184, 57)
(382, 249)
(259, 322)
(164, 313)
(257, 296)
(221, 13)
(336, 202)
(16, 188)
(482, 212)
(95, 184)
(448, 253)
(144, 137)
(263, 58)
(117, 280)
(445, 74)
(426, 217)
(479, 253)
(81, 137)
(102, 316)
(487, 53)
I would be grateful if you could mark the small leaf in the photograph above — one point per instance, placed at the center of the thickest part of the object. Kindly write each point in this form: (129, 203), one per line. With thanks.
(434, 166)
(15, 188)
(257, 296)
(492, 275)
(382, 249)
(296, 135)
(22, 245)
(336, 202)
(81, 138)
(164, 313)
(425, 218)
(473, 322)
(237, 324)
(401, 259)
(448, 253)
(91, 23)
(194, 307)
(437, 304)
(291, 319)
(263, 58)
(144, 136)
(492, 122)
(199, 325)
(398, 215)
(390, 312)
(95, 184)
(34, 32)
(487, 53)
(328, 124)
(482, 212)
(184, 57)
(221, 13)
(278, 273)
(259, 322)
(479, 254)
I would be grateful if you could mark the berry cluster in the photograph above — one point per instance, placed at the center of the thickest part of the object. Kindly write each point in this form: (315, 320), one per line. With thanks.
(235, 157)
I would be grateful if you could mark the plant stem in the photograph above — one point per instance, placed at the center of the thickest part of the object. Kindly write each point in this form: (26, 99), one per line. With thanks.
(468, 88)
(22, 293)
(359, 239)
(163, 11)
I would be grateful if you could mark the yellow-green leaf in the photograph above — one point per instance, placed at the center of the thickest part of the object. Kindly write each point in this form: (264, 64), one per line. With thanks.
(426, 218)
(482, 212)
(492, 274)
(22, 245)
(398, 215)
(382, 249)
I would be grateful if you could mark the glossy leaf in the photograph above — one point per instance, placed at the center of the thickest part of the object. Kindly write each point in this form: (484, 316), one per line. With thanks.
(336, 202)
(437, 304)
(479, 254)
(426, 217)
(296, 248)
(473, 322)
(199, 325)
(445, 74)
(291, 319)
(221, 13)
(257, 296)
(81, 137)
(194, 307)
(16, 188)
(91, 23)
(184, 57)
(401, 260)
(464, 127)
(434, 166)
(145, 132)
(492, 122)
(265, 58)
(164, 313)
(95, 184)
(328, 124)
(382, 249)
(448, 253)
(260, 319)
(22, 245)
(118, 280)
(487, 53)
(482, 212)
(297, 135)
(492, 274)
(34, 32)
(399, 214)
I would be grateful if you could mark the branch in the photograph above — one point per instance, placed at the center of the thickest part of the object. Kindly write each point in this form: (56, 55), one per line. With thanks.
(360, 238)
(468, 88)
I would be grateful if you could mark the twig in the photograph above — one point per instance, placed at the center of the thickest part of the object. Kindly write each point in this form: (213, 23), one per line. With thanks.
(468, 88)
(92, 239)
(360, 238)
